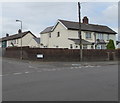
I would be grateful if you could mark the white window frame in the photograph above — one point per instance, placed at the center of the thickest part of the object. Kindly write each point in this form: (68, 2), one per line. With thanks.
(101, 36)
(108, 37)
(88, 35)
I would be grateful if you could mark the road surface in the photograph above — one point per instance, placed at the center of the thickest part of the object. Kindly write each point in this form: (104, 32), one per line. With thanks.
(59, 81)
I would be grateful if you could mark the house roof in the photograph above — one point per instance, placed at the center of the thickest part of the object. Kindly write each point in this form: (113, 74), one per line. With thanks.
(15, 36)
(47, 30)
(77, 41)
(70, 25)
(37, 40)
(87, 27)
(101, 42)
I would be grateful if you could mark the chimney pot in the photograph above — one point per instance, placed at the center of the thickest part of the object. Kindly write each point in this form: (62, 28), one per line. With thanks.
(7, 34)
(85, 20)
(19, 31)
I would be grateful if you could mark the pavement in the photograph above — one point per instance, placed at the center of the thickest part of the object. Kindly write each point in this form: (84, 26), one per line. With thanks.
(24, 80)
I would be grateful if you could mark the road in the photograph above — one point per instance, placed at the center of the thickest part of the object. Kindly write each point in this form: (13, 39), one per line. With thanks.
(59, 81)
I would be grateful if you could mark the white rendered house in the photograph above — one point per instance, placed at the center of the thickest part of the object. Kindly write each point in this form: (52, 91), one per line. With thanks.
(20, 39)
(64, 34)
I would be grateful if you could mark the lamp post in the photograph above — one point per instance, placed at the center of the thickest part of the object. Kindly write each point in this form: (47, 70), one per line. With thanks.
(21, 38)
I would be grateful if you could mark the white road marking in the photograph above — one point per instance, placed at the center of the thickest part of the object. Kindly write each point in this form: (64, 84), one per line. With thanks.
(27, 72)
(30, 66)
(5, 75)
(49, 70)
(91, 66)
(98, 66)
(86, 66)
(53, 69)
(16, 73)
(76, 64)
(76, 67)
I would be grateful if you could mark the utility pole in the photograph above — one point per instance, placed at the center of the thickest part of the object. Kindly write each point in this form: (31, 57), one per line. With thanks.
(80, 37)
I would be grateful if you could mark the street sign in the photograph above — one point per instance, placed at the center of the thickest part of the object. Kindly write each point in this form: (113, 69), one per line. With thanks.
(40, 56)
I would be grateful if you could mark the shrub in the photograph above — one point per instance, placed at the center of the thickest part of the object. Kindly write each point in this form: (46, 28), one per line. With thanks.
(111, 45)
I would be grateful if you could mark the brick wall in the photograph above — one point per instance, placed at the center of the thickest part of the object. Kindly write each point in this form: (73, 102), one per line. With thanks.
(57, 54)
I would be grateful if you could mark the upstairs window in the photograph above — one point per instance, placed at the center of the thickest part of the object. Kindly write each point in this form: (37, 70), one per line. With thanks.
(88, 35)
(14, 41)
(108, 37)
(58, 34)
(100, 36)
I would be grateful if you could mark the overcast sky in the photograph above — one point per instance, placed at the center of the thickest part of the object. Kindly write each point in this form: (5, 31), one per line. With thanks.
(36, 16)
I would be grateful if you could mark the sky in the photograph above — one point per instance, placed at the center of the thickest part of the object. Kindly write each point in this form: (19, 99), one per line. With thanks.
(36, 16)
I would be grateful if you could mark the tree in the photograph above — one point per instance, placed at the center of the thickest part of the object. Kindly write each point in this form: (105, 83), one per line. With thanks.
(111, 45)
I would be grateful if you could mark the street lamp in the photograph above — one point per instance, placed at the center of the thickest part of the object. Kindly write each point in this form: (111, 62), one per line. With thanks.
(21, 38)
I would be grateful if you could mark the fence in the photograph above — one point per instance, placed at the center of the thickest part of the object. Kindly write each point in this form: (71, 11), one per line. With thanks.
(59, 54)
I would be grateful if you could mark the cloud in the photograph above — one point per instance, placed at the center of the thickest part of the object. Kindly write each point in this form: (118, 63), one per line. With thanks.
(102, 13)
(111, 13)
(36, 16)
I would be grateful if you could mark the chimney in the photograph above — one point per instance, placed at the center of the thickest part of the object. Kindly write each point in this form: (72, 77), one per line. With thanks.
(85, 20)
(19, 31)
(7, 34)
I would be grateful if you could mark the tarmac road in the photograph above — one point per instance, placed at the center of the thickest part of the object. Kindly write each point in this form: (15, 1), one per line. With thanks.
(59, 81)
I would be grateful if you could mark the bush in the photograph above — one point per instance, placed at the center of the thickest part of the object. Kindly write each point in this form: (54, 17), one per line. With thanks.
(111, 45)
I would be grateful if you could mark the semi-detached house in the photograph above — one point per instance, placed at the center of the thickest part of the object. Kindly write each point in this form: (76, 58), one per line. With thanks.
(64, 34)
(26, 38)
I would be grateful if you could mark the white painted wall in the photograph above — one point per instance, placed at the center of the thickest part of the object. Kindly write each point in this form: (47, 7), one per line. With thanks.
(64, 42)
(27, 40)
(61, 41)
(44, 40)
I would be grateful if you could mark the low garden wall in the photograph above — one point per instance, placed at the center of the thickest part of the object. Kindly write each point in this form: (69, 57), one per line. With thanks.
(59, 54)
